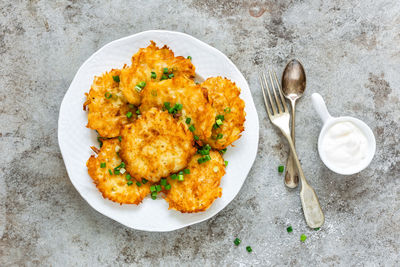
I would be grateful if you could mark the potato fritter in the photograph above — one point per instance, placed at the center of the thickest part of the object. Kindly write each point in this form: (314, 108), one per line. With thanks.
(150, 65)
(107, 106)
(200, 188)
(115, 187)
(195, 106)
(229, 121)
(156, 145)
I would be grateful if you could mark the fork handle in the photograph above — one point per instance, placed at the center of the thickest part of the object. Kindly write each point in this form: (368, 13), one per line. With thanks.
(311, 208)
(291, 175)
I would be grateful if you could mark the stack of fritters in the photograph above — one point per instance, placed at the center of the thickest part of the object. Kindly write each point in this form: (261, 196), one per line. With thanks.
(162, 132)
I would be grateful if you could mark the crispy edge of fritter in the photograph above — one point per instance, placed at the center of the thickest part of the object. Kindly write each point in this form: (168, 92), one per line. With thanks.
(202, 184)
(107, 116)
(128, 194)
(167, 126)
(223, 94)
(152, 58)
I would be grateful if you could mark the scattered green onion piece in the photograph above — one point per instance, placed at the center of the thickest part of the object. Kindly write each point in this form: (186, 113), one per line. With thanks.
(196, 138)
(248, 248)
(164, 77)
(200, 160)
(153, 75)
(317, 229)
(116, 79)
(165, 70)
(120, 138)
(174, 176)
(100, 141)
(116, 171)
(303, 238)
(153, 188)
(171, 75)
(110, 171)
(237, 241)
(138, 184)
(220, 135)
(188, 120)
(138, 112)
(129, 183)
(167, 105)
(186, 171)
(163, 181)
(220, 117)
(102, 165)
(191, 128)
(108, 95)
(289, 229)
(223, 151)
(167, 187)
(226, 163)
(178, 106)
(142, 84)
(180, 177)
(180, 173)
(189, 57)
(129, 114)
(128, 177)
(281, 168)
(144, 181)
(154, 195)
(218, 122)
(227, 110)
(158, 188)
(138, 88)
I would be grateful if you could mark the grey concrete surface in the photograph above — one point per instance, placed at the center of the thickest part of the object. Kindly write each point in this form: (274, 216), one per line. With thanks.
(351, 53)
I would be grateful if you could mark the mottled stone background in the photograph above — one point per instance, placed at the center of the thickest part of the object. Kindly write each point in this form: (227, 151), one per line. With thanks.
(350, 50)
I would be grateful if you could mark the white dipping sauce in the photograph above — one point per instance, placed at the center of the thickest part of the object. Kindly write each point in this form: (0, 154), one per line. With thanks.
(344, 145)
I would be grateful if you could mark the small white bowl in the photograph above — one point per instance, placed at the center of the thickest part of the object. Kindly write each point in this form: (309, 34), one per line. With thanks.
(329, 121)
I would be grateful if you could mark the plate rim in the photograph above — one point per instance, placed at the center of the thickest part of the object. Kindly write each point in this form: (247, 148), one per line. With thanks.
(63, 103)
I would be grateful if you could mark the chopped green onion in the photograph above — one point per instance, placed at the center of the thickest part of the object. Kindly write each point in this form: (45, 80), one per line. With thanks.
(138, 184)
(129, 115)
(226, 163)
(110, 171)
(142, 84)
(317, 229)
(153, 75)
(108, 95)
(164, 77)
(281, 168)
(154, 195)
(237, 241)
(220, 135)
(200, 160)
(289, 229)
(171, 75)
(120, 138)
(129, 183)
(131, 106)
(167, 105)
(102, 165)
(207, 157)
(137, 88)
(303, 238)
(188, 120)
(196, 138)
(227, 110)
(153, 188)
(116, 79)
(163, 181)
(100, 141)
(248, 248)
(138, 112)
(189, 57)
(220, 117)
(218, 122)
(223, 151)
(180, 173)
(180, 177)
(215, 126)
(186, 171)
(144, 181)
(178, 106)
(167, 187)
(174, 176)
(191, 128)
(158, 188)
(128, 177)
(116, 171)
(165, 70)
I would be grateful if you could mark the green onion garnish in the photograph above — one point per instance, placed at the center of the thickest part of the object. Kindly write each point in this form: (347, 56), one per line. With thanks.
(102, 165)
(180, 173)
(138, 112)
(223, 151)
(227, 110)
(303, 238)
(167, 187)
(129, 115)
(108, 95)
(178, 106)
(154, 195)
(164, 77)
(226, 163)
(116, 79)
(144, 181)
(289, 229)
(128, 177)
(100, 141)
(163, 181)
(191, 128)
(219, 136)
(153, 75)
(158, 188)
(174, 176)
(152, 188)
(116, 172)
(110, 171)
(189, 57)
(196, 138)
(237, 241)
(188, 120)
(138, 184)
(129, 183)
(186, 171)
(142, 84)
(120, 138)
(171, 76)
(317, 229)
(207, 157)
(165, 70)
(281, 168)
(220, 117)
(167, 105)
(180, 177)
(218, 122)
(248, 248)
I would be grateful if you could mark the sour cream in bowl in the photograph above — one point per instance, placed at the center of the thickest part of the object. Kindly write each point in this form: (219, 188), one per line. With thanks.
(346, 145)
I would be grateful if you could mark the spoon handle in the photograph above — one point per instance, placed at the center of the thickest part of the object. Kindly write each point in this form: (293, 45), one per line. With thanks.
(291, 176)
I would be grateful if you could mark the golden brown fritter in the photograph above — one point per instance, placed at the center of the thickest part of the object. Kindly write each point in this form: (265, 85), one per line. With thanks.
(107, 106)
(153, 59)
(156, 145)
(115, 187)
(200, 188)
(192, 97)
(224, 97)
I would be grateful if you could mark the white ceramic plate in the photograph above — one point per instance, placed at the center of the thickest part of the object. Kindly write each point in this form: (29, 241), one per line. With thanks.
(75, 139)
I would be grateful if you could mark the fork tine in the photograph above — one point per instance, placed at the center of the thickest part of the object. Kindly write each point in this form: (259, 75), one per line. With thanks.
(273, 89)
(280, 92)
(269, 95)
(265, 97)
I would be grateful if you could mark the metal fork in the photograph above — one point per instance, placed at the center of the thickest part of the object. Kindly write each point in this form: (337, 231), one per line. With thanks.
(279, 116)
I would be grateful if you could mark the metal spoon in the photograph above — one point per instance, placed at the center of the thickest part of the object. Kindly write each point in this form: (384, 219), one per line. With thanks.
(293, 86)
